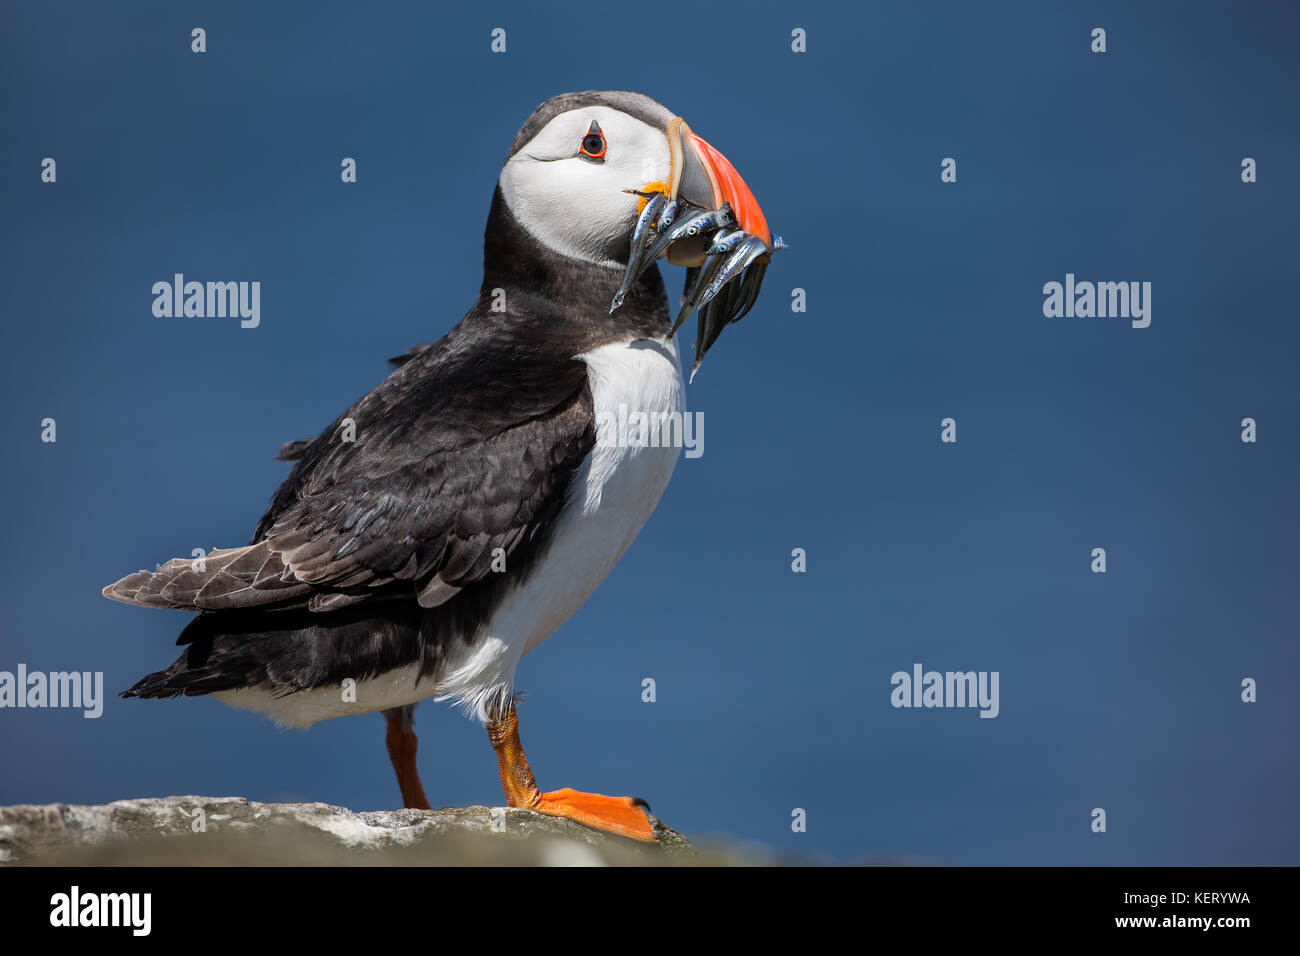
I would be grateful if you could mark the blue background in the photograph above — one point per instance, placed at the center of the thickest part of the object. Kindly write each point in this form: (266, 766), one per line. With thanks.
(924, 300)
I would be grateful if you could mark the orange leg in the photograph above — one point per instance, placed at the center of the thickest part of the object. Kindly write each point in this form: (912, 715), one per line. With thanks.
(621, 815)
(402, 745)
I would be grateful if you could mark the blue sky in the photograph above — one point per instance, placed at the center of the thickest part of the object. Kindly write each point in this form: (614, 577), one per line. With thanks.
(924, 301)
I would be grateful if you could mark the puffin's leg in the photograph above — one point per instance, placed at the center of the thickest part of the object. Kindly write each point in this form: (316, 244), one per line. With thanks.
(402, 745)
(621, 815)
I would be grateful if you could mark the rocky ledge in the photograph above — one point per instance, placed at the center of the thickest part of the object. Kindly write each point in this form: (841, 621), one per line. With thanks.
(185, 831)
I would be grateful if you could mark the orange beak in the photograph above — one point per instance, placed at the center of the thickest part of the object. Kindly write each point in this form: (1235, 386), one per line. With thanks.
(706, 178)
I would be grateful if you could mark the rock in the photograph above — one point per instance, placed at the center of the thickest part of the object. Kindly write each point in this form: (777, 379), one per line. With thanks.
(171, 831)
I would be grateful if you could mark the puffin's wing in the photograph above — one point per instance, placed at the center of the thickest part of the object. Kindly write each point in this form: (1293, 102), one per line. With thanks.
(457, 465)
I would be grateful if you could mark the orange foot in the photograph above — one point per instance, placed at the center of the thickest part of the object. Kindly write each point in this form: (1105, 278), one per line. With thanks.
(621, 815)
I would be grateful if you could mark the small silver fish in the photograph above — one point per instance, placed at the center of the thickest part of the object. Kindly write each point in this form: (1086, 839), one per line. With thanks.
(712, 318)
(749, 284)
(724, 241)
(668, 216)
(690, 299)
(641, 236)
(731, 303)
(741, 255)
(689, 226)
(731, 298)
(752, 281)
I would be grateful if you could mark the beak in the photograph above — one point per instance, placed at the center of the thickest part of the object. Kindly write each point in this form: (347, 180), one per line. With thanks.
(704, 177)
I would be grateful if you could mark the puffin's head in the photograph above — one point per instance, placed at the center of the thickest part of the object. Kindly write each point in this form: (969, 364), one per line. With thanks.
(578, 163)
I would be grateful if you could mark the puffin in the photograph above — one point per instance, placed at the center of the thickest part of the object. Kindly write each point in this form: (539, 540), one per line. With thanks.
(453, 518)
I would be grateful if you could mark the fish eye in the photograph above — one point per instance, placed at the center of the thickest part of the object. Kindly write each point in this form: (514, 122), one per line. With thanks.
(593, 144)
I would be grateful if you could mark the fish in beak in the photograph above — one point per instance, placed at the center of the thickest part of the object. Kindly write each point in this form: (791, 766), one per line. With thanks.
(706, 219)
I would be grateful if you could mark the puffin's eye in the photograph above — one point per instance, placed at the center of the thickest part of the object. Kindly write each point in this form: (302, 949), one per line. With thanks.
(593, 144)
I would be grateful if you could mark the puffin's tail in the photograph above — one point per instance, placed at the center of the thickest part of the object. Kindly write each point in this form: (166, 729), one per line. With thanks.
(289, 650)
(213, 661)
(226, 579)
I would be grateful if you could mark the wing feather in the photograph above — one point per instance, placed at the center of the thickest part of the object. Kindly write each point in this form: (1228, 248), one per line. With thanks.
(465, 449)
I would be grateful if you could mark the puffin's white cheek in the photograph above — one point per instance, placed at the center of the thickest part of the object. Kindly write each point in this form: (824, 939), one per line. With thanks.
(572, 207)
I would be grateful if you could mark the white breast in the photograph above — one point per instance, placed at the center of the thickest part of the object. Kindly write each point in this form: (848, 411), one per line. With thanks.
(612, 495)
